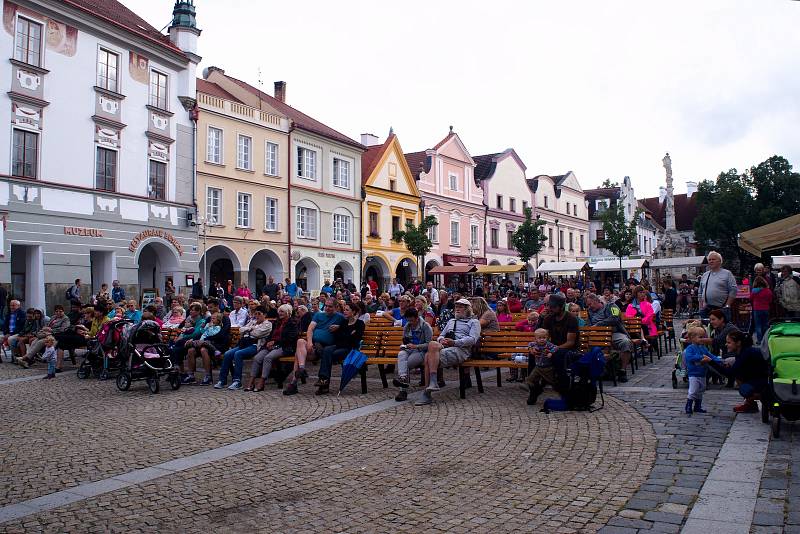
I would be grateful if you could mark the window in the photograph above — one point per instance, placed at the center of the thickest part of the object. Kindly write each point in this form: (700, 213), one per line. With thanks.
(105, 170)
(213, 205)
(373, 224)
(550, 237)
(453, 179)
(494, 237)
(28, 42)
(341, 228)
(392, 185)
(271, 164)
(512, 204)
(25, 156)
(510, 238)
(157, 184)
(433, 233)
(244, 152)
(575, 210)
(158, 89)
(306, 163)
(524, 205)
(561, 239)
(499, 202)
(214, 145)
(107, 70)
(271, 214)
(571, 247)
(307, 223)
(473, 235)
(455, 239)
(567, 208)
(341, 173)
(395, 224)
(243, 204)
(582, 247)
(545, 201)
(601, 235)
(409, 222)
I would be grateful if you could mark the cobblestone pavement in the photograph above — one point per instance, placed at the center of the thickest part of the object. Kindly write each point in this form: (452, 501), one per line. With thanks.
(485, 464)
(778, 505)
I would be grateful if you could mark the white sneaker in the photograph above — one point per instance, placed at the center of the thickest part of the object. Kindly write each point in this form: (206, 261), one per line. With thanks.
(433, 386)
(235, 385)
(219, 385)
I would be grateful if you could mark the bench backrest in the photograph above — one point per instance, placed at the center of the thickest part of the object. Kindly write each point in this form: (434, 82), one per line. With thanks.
(595, 336)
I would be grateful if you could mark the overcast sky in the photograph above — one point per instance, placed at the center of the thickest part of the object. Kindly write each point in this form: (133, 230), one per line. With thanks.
(600, 88)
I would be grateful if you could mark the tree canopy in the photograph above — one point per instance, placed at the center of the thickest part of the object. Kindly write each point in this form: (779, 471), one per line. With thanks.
(415, 237)
(529, 238)
(608, 183)
(620, 236)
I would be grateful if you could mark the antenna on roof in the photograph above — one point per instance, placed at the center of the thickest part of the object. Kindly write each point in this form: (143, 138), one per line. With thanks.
(260, 87)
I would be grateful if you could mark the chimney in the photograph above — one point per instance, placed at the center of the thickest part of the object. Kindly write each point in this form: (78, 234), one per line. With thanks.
(662, 194)
(280, 91)
(691, 188)
(208, 70)
(368, 139)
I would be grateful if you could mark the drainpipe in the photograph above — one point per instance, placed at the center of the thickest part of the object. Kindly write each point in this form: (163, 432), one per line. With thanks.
(289, 199)
(361, 273)
(194, 115)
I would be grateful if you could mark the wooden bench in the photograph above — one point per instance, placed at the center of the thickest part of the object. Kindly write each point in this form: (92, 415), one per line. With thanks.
(668, 318)
(634, 327)
(494, 351)
(601, 337)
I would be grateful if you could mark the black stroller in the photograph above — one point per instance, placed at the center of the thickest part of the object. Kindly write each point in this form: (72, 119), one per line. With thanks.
(101, 358)
(145, 357)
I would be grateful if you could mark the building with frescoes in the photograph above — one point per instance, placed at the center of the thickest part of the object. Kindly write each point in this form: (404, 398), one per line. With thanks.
(98, 183)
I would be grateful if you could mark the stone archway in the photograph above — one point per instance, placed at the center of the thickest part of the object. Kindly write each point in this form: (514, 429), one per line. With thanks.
(263, 264)
(219, 264)
(430, 264)
(157, 262)
(375, 267)
(343, 271)
(306, 274)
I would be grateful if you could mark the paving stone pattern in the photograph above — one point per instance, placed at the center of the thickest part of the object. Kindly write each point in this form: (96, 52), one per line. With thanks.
(778, 506)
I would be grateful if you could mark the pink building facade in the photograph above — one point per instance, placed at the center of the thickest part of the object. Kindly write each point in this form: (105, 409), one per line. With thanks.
(446, 181)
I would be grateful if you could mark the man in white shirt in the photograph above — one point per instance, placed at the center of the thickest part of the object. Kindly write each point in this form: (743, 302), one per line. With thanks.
(433, 292)
(238, 314)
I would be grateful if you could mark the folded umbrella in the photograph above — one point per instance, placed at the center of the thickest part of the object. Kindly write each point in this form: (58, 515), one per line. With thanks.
(350, 366)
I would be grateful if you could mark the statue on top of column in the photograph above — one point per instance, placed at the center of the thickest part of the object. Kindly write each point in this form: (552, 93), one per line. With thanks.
(670, 200)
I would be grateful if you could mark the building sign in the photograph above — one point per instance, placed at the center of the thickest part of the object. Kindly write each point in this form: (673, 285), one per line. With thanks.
(159, 151)
(454, 258)
(107, 137)
(152, 232)
(83, 232)
(326, 255)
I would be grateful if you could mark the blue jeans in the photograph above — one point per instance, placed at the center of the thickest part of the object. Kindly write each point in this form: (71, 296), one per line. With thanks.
(760, 323)
(330, 353)
(236, 357)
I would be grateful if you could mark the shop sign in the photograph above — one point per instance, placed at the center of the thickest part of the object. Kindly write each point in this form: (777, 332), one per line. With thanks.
(326, 255)
(83, 232)
(153, 232)
(455, 258)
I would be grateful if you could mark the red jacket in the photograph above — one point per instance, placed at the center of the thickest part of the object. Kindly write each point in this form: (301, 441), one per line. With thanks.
(762, 299)
(514, 305)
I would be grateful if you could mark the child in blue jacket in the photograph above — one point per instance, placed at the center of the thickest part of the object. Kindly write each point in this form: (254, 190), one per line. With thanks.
(696, 356)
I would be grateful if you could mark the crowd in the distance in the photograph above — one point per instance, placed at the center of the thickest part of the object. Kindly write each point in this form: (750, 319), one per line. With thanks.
(441, 326)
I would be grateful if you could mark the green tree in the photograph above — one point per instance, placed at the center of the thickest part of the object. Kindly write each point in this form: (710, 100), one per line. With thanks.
(608, 183)
(776, 189)
(529, 238)
(725, 208)
(620, 237)
(416, 239)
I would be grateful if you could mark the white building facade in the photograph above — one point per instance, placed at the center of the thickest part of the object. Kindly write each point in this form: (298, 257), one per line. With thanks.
(98, 184)
(561, 203)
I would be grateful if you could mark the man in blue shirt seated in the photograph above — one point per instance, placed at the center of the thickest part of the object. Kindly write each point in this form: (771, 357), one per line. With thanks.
(327, 288)
(320, 335)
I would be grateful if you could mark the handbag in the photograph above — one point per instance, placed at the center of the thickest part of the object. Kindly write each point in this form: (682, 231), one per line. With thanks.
(452, 333)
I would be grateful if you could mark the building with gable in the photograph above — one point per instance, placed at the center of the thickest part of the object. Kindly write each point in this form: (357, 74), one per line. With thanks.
(391, 201)
(98, 183)
(446, 180)
(506, 195)
(324, 189)
(561, 203)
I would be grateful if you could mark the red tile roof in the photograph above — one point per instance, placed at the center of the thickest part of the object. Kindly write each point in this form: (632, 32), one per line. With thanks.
(685, 211)
(418, 161)
(300, 119)
(115, 13)
(372, 156)
(210, 88)
(441, 143)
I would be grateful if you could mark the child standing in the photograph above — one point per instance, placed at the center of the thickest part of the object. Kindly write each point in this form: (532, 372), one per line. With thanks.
(696, 357)
(541, 350)
(49, 356)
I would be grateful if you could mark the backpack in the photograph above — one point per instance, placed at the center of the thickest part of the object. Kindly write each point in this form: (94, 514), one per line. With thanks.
(586, 371)
(68, 294)
(108, 336)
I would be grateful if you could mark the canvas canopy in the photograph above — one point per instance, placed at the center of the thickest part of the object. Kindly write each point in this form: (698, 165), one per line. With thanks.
(792, 261)
(562, 267)
(500, 269)
(688, 261)
(452, 269)
(772, 236)
(613, 265)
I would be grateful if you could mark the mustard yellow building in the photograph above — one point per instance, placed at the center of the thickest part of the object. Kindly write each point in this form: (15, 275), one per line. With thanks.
(242, 196)
(391, 199)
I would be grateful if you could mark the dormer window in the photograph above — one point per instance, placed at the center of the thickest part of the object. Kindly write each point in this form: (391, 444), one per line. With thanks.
(28, 42)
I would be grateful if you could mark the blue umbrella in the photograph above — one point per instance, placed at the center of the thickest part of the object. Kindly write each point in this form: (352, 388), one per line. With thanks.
(350, 366)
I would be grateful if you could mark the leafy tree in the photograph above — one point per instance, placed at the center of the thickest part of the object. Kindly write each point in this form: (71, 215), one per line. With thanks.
(529, 238)
(776, 189)
(726, 208)
(416, 238)
(620, 237)
(608, 183)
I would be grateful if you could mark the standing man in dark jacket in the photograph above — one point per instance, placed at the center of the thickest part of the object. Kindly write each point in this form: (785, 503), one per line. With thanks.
(197, 289)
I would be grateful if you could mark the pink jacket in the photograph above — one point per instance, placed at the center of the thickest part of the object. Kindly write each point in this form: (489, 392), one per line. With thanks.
(648, 317)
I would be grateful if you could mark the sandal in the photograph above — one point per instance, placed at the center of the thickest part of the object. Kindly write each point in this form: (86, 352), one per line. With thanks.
(257, 390)
(248, 388)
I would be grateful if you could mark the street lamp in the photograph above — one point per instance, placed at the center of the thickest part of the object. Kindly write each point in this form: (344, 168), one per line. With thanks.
(558, 243)
(205, 222)
(421, 266)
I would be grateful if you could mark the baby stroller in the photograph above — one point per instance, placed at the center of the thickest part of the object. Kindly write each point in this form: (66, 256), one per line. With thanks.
(145, 357)
(783, 341)
(101, 352)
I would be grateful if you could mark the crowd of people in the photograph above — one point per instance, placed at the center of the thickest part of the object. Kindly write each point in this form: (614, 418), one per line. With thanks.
(441, 326)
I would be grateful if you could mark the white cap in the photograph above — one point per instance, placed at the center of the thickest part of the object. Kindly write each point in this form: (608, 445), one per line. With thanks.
(464, 302)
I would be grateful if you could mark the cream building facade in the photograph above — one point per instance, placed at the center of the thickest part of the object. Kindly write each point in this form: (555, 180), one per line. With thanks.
(324, 189)
(561, 203)
(391, 200)
(242, 193)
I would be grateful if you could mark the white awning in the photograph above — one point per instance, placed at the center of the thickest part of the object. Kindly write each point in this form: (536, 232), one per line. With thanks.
(688, 261)
(779, 261)
(562, 267)
(613, 265)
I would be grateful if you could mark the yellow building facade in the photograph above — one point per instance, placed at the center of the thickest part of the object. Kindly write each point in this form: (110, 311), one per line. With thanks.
(242, 169)
(391, 200)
